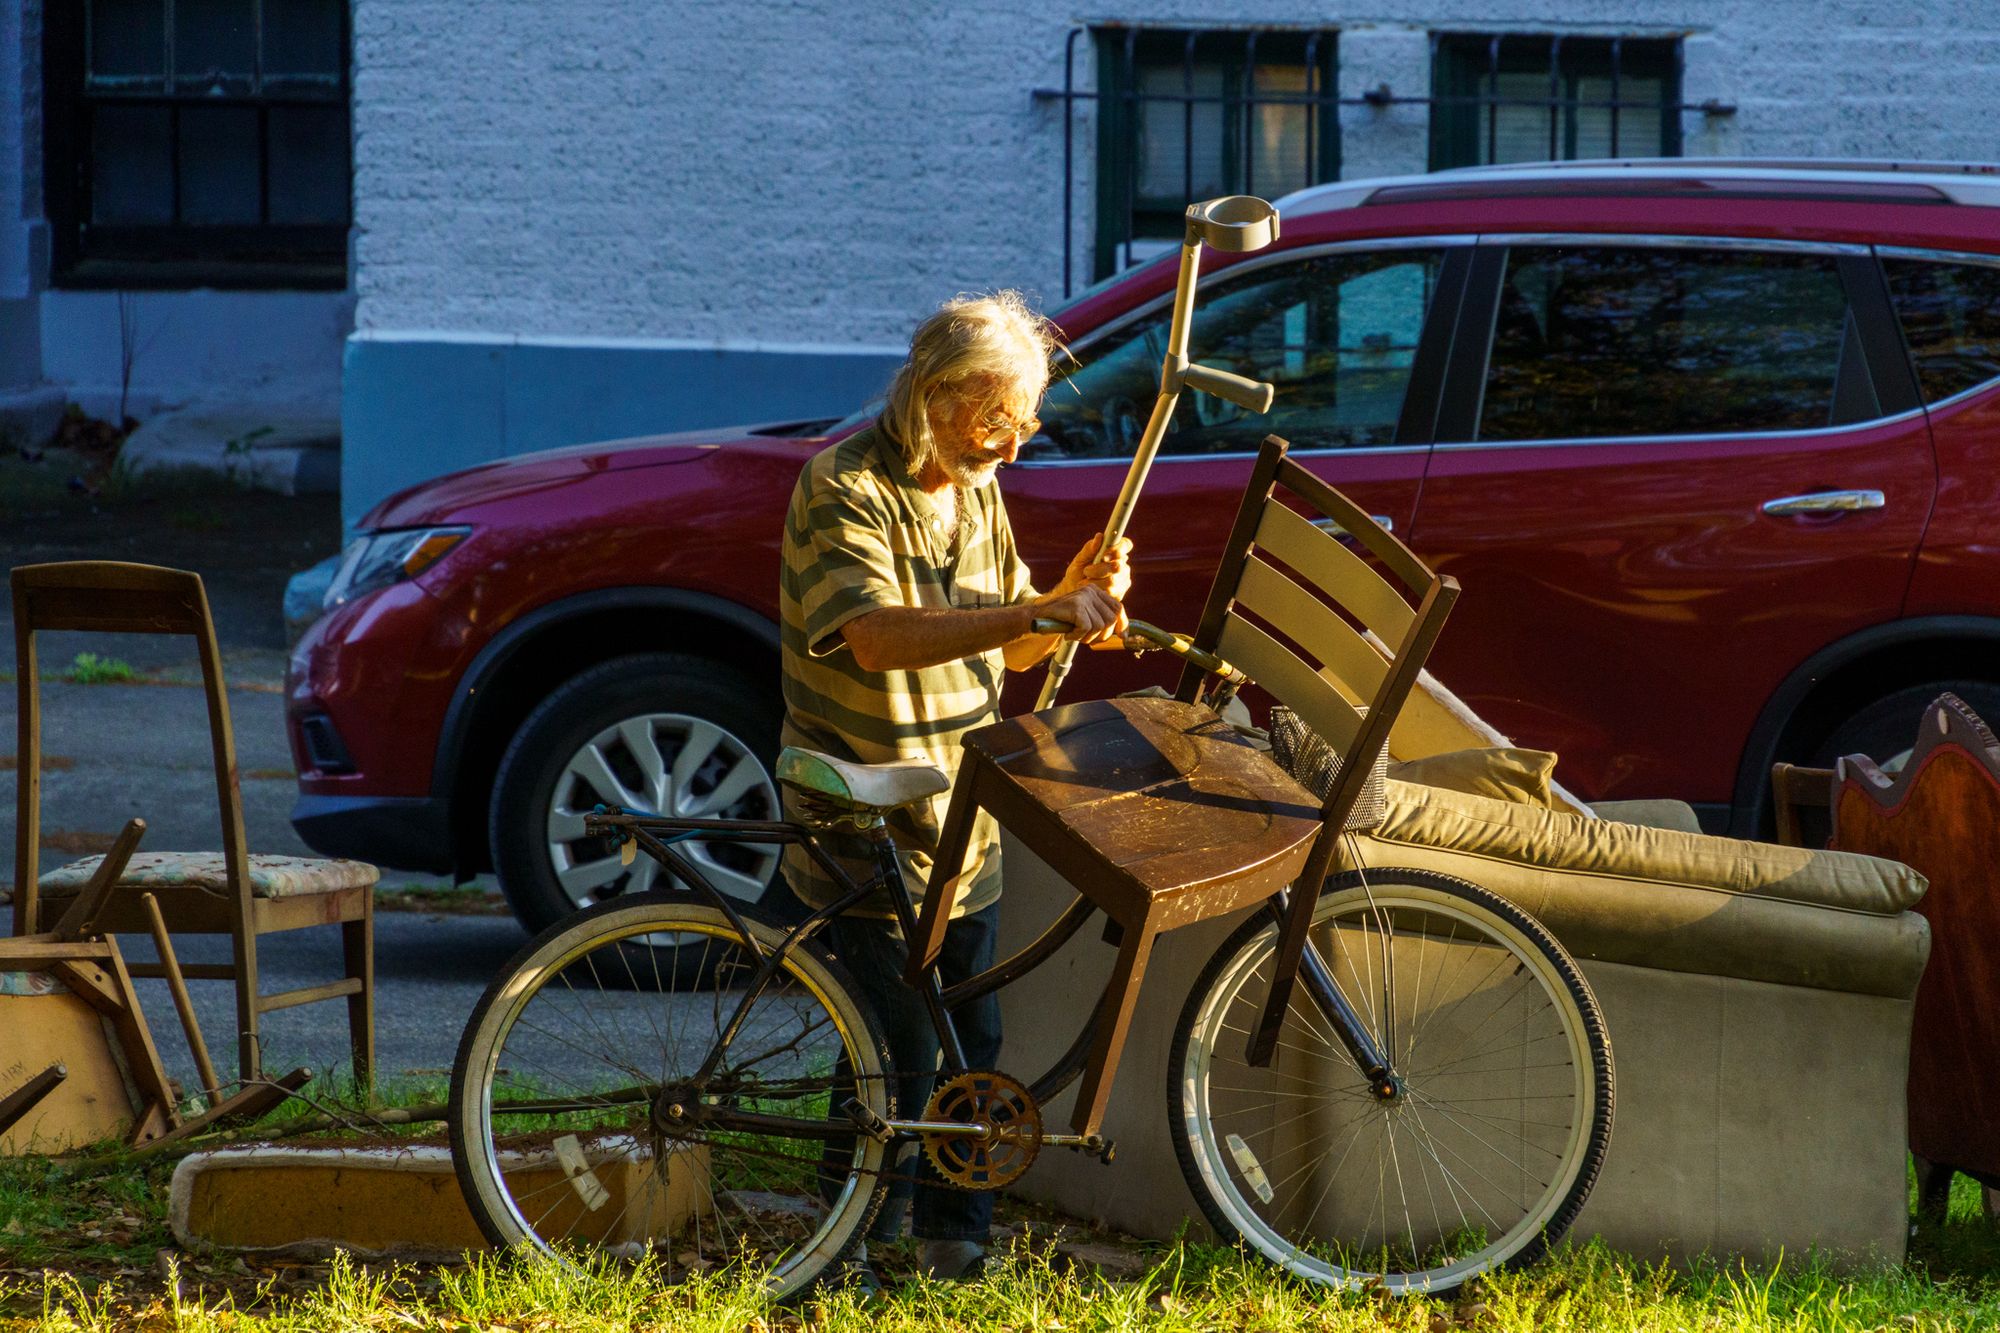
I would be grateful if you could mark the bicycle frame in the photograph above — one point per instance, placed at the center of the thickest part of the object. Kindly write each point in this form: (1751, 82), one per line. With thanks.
(1316, 978)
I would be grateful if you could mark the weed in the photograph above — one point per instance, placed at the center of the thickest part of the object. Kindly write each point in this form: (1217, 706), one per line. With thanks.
(90, 669)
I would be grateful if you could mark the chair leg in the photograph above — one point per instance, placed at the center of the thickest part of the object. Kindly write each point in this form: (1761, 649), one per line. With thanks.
(357, 940)
(1114, 1020)
(954, 840)
(249, 1050)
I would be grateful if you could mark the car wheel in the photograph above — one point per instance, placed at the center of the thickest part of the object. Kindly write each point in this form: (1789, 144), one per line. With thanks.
(661, 732)
(1886, 729)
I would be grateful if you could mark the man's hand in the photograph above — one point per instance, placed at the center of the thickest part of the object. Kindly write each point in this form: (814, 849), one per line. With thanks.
(1093, 614)
(1112, 573)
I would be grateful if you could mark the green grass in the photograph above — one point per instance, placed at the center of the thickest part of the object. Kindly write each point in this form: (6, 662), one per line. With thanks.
(1184, 1288)
(90, 669)
(81, 1247)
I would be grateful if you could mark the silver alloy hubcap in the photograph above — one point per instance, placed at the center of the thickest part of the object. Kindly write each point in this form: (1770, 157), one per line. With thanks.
(667, 764)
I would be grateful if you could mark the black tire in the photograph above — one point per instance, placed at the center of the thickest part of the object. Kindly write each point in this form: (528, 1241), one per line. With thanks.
(1885, 729)
(681, 694)
(1302, 1106)
(561, 1037)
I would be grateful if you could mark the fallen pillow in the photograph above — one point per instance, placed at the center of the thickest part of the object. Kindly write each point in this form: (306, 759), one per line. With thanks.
(1501, 773)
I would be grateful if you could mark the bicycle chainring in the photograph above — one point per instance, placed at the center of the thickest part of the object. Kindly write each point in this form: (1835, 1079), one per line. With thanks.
(984, 1096)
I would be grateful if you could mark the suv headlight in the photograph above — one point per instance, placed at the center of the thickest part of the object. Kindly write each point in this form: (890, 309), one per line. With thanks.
(377, 559)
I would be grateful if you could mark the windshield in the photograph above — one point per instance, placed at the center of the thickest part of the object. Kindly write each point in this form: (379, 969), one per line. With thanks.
(869, 410)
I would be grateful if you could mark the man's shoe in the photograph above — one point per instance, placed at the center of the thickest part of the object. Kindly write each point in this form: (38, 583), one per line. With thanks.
(953, 1260)
(857, 1275)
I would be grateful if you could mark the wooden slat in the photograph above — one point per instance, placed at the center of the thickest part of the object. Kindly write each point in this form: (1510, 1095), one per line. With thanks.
(333, 990)
(1334, 644)
(1335, 570)
(1402, 562)
(1287, 678)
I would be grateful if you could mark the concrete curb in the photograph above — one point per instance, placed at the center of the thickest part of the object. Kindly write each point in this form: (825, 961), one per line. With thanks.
(271, 449)
(402, 1201)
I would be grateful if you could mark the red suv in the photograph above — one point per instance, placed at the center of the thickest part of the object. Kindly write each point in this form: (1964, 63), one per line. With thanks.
(1713, 447)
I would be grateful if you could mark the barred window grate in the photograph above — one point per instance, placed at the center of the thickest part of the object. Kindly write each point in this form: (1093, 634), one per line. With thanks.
(209, 139)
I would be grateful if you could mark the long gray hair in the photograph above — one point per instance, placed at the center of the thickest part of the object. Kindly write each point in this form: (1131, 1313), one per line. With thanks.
(999, 334)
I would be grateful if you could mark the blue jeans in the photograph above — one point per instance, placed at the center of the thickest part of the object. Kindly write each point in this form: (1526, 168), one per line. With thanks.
(873, 953)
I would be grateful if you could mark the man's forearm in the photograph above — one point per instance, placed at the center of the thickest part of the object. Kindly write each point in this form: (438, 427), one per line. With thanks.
(908, 638)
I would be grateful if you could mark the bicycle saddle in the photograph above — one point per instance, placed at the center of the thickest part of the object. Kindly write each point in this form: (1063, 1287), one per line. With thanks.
(871, 786)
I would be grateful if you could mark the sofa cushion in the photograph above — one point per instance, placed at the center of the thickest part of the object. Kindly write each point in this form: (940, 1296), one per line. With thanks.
(1502, 772)
(270, 876)
(1678, 902)
(1478, 826)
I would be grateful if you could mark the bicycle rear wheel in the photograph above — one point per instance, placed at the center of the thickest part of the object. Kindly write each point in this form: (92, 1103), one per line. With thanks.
(1496, 1136)
(577, 1099)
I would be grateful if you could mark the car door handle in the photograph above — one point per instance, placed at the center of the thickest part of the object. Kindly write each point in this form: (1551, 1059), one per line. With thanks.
(1825, 502)
(1327, 525)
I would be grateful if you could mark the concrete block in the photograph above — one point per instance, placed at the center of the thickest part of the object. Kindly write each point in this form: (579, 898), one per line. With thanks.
(403, 1201)
(271, 449)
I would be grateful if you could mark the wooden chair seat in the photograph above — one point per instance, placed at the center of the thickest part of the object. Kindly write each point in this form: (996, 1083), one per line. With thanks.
(270, 876)
(1165, 794)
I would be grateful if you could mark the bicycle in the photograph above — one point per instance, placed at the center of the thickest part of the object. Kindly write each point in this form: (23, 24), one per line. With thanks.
(755, 1128)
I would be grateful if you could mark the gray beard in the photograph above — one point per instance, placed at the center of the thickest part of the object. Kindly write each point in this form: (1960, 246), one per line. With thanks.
(969, 478)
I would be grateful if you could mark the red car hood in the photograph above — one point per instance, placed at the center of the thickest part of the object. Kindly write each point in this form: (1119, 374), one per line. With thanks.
(441, 499)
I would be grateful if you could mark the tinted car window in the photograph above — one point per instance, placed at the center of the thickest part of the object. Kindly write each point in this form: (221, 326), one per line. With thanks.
(1334, 333)
(1951, 317)
(1595, 342)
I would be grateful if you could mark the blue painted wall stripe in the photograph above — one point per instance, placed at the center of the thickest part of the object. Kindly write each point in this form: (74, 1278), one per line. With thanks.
(415, 407)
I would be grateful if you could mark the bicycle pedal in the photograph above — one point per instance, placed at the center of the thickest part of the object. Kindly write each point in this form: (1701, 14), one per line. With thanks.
(874, 1126)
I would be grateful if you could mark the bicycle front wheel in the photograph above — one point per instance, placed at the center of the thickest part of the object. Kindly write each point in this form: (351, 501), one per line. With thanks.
(582, 1118)
(1494, 1139)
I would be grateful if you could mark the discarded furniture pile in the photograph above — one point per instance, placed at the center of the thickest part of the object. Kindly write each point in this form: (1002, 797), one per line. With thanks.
(1759, 997)
(77, 1060)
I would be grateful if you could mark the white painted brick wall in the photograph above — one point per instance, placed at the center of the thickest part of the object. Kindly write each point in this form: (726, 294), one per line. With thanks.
(823, 172)
(20, 144)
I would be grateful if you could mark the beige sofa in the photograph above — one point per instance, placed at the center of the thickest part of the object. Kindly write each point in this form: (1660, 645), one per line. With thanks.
(1758, 1000)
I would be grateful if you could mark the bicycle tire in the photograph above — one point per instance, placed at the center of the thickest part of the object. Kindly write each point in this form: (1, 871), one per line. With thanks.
(1232, 1181)
(765, 1171)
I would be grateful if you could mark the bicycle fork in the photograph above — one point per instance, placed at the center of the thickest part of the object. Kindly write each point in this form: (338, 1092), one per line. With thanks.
(1325, 993)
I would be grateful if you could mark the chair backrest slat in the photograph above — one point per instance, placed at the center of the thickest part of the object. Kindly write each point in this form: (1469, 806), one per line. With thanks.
(1334, 570)
(1292, 680)
(111, 611)
(1357, 670)
(1370, 535)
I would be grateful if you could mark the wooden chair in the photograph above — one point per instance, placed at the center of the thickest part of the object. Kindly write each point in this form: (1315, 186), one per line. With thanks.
(83, 1056)
(1155, 810)
(1940, 815)
(225, 893)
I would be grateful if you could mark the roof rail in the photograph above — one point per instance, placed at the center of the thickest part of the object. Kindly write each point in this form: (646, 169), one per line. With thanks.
(1913, 166)
(1969, 183)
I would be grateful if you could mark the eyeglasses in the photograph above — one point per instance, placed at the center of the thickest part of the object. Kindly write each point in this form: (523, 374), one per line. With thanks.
(1002, 431)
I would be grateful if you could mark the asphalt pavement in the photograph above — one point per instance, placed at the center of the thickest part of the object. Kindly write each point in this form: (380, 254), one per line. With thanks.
(114, 751)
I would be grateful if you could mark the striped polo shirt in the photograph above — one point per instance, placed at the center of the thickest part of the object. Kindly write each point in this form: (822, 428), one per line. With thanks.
(860, 535)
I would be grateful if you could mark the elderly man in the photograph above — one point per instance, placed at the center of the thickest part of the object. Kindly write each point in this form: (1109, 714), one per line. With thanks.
(902, 598)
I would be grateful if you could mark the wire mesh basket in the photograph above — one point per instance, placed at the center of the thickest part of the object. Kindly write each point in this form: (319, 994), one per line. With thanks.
(1305, 754)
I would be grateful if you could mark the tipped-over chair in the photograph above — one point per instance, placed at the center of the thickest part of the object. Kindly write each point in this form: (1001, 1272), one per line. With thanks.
(229, 892)
(1156, 810)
